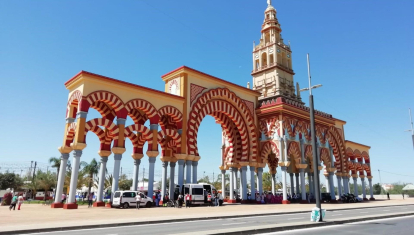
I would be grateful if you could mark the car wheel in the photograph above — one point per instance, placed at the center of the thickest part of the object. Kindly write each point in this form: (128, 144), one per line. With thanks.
(148, 205)
(126, 205)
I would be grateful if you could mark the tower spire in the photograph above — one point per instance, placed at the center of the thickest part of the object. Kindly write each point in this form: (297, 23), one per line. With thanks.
(269, 2)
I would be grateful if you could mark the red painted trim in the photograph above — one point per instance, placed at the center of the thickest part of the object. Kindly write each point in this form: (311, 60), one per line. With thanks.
(99, 204)
(56, 205)
(285, 202)
(70, 206)
(121, 82)
(210, 76)
(231, 201)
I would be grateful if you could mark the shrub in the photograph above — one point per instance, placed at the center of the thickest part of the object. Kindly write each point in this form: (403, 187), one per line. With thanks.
(6, 199)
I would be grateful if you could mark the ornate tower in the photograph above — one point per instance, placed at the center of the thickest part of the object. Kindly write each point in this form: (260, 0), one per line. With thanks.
(272, 61)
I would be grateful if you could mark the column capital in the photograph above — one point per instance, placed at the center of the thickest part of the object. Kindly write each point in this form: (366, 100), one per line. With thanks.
(120, 121)
(181, 161)
(64, 156)
(369, 177)
(301, 166)
(242, 164)
(78, 146)
(152, 154)
(331, 169)
(154, 127)
(259, 169)
(233, 165)
(222, 168)
(117, 157)
(354, 176)
(252, 168)
(65, 149)
(172, 164)
(137, 156)
(180, 156)
(223, 171)
(118, 150)
(81, 114)
(253, 164)
(243, 168)
(104, 159)
(70, 120)
(180, 131)
(286, 163)
(137, 162)
(164, 164)
(194, 163)
(104, 153)
(152, 159)
(77, 153)
(296, 175)
(165, 159)
(362, 177)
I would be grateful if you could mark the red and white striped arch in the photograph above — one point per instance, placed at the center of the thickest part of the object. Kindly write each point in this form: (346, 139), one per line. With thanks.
(199, 112)
(72, 106)
(138, 140)
(142, 105)
(269, 126)
(224, 101)
(294, 151)
(137, 116)
(171, 133)
(175, 114)
(104, 109)
(228, 128)
(111, 133)
(338, 146)
(109, 98)
(267, 148)
(325, 157)
(70, 134)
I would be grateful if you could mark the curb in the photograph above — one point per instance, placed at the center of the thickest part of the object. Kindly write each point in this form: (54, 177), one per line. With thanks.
(57, 229)
(315, 225)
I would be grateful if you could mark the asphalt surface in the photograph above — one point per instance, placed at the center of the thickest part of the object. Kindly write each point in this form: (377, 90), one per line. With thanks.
(395, 226)
(203, 226)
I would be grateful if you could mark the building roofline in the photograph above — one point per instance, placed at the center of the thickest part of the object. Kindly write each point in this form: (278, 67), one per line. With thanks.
(357, 143)
(120, 82)
(212, 77)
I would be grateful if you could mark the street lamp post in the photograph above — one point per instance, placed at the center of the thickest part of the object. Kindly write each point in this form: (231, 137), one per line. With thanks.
(314, 150)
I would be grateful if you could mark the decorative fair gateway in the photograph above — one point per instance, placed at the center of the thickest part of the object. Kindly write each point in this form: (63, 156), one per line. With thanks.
(266, 125)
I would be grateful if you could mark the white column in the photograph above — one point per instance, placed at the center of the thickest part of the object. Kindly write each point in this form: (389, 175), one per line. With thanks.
(327, 183)
(61, 180)
(371, 192)
(231, 197)
(181, 174)
(164, 179)
(292, 184)
(135, 175)
(355, 186)
(302, 184)
(284, 183)
(115, 176)
(331, 186)
(243, 171)
(252, 183)
(241, 183)
(188, 165)
(235, 179)
(102, 170)
(195, 164)
(364, 193)
(260, 180)
(74, 177)
(223, 183)
(346, 184)
(172, 184)
(151, 176)
(297, 184)
(338, 178)
(273, 183)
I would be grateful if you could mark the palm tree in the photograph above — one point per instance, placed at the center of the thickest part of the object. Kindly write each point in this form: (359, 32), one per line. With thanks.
(56, 164)
(46, 180)
(91, 170)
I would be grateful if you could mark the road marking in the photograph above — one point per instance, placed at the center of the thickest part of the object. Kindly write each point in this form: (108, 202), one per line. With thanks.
(336, 215)
(294, 218)
(386, 210)
(235, 223)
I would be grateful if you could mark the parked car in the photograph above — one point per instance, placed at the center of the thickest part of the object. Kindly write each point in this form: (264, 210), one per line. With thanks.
(198, 192)
(126, 199)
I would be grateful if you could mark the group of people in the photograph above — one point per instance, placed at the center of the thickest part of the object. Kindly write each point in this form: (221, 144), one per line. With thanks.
(213, 200)
(17, 199)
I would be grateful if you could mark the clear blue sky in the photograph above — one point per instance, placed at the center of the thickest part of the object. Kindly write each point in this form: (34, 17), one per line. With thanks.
(361, 51)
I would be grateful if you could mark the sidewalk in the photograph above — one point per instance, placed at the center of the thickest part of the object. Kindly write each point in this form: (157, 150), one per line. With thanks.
(41, 217)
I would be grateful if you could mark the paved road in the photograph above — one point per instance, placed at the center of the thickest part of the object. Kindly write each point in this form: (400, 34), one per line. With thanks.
(236, 223)
(395, 226)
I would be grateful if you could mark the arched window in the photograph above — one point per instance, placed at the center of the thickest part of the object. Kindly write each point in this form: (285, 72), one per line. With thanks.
(271, 59)
(264, 59)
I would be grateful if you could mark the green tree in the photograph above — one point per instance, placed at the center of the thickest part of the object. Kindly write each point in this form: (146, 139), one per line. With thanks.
(377, 188)
(10, 180)
(205, 179)
(90, 171)
(45, 181)
(267, 181)
(55, 162)
(124, 183)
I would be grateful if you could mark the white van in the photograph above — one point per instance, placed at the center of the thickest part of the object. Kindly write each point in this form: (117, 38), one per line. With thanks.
(198, 192)
(126, 199)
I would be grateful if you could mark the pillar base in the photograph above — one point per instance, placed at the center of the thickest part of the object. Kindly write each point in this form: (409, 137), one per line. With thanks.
(365, 199)
(285, 202)
(225, 200)
(372, 199)
(304, 202)
(108, 204)
(98, 204)
(56, 205)
(70, 206)
(333, 201)
(231, 201)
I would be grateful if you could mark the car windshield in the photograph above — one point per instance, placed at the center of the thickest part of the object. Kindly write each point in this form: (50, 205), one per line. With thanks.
(117, 194)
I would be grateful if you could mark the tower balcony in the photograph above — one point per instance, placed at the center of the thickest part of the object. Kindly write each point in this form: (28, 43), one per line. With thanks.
(273, 65)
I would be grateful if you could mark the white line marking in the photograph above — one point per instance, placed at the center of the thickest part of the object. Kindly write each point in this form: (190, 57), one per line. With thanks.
(295, 218)
(336, 215)
(386, 210)
(235, 223)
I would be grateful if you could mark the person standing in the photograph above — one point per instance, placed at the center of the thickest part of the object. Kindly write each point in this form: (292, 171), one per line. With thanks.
(403, 195)
(159, 199)
(388, 196)
(187, 200)
(63, 197)
(217, 199)
(138, 200)
(20, 200)
(90, 199)
(209, 199)
(180, 201)
(13, 202)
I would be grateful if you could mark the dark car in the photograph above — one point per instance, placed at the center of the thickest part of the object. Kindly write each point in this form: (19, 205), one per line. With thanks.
(326, 197)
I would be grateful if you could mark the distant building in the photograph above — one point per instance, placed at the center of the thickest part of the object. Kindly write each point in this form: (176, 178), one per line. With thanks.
(387, 187)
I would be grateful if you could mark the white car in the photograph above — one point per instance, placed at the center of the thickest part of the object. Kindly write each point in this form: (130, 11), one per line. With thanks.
(126, 199)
